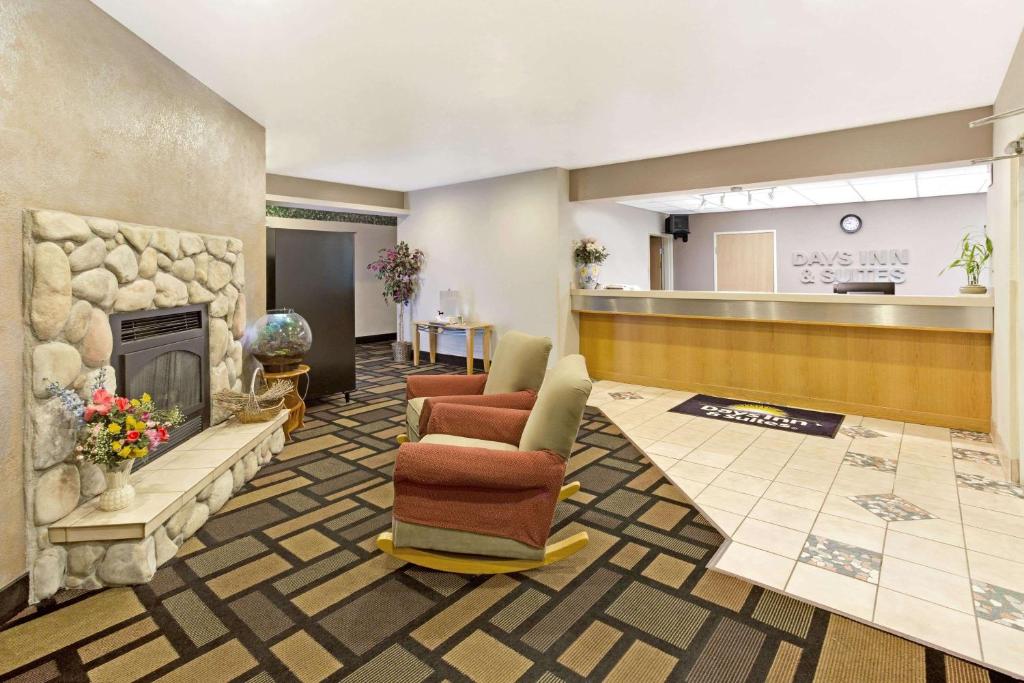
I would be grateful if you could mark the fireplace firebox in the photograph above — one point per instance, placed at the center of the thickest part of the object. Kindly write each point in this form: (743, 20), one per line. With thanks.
(166, 353)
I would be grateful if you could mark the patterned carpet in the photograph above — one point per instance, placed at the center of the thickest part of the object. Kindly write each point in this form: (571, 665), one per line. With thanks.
(285, 584)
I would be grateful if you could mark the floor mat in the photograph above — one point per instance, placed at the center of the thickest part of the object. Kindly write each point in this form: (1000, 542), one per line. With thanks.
(810, 422)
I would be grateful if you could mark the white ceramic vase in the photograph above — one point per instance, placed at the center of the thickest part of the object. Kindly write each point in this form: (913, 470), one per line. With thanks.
(120, 493)
(586, 275)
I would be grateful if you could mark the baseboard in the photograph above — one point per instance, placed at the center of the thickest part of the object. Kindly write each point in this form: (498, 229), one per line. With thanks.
(13, 598)
(374, 338)
(448, 359)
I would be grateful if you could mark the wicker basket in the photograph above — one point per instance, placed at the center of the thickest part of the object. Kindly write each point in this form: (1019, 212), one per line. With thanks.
(253, 407)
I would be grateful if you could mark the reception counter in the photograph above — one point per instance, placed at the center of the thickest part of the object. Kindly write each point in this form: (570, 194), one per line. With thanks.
(920, 359)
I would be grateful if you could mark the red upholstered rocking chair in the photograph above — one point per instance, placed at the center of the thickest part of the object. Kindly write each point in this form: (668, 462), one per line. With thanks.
(477, 494)
(517, 371)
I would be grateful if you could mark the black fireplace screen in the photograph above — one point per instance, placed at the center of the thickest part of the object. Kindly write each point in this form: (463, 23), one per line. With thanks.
(173, 378)
(165, 353)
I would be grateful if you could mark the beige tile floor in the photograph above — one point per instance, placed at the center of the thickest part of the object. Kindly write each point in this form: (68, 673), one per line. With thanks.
(904, 526)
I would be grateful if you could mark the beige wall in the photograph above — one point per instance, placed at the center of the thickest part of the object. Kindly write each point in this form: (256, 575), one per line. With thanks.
(96, 122)
(288, 186)
(495, 241)
(938, 139)
(1005, 225)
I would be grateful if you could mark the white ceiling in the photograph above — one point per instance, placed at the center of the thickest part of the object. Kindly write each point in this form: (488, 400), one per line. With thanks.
(926, 183)
(407, 94)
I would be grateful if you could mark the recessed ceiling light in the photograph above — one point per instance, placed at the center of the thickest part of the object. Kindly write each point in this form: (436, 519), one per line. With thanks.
(932, 183)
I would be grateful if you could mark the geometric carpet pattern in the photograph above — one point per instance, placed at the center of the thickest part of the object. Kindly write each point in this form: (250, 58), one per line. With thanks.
(285, 584)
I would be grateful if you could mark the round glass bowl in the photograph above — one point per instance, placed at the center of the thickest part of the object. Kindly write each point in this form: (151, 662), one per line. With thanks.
(280, 339)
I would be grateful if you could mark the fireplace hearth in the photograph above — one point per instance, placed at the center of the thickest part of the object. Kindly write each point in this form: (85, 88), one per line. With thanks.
(165, 353)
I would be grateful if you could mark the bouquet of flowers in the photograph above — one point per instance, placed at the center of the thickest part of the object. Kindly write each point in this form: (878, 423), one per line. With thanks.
(113, 429)
(588, 250)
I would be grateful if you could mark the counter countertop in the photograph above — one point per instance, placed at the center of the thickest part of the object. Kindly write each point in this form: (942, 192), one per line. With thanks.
(967, 313)
(966, 300)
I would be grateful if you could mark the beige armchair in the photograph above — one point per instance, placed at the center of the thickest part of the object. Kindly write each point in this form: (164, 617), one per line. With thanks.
(517, 371)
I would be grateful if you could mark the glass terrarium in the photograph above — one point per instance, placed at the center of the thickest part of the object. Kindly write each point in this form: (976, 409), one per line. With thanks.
(280, 339)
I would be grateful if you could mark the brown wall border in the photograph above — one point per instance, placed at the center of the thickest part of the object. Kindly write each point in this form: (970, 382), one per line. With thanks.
(938, 139)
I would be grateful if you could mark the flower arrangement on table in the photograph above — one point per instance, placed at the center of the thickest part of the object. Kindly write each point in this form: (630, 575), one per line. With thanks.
(399, 268)
(113, 432)
(589, 254)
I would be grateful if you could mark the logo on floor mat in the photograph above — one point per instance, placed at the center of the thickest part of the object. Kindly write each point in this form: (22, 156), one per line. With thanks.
(762, 415)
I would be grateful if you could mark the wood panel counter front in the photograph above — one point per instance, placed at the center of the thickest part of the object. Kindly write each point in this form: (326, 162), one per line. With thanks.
(913, 359)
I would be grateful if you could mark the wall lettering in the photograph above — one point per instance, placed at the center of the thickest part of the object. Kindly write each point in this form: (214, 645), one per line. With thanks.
(869, 265)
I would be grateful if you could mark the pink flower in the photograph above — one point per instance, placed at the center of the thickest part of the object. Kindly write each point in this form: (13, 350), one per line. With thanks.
(153, 436)
(102, 397)
(122, 403)
(96, 409)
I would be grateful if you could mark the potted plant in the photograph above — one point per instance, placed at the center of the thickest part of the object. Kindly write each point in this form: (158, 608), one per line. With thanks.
(113, 432)
(588, 254)
(975, 252)
(399, 267)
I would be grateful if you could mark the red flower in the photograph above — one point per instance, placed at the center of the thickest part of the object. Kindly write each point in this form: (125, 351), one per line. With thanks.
(162, 433)
(122, 404)
(132, 436)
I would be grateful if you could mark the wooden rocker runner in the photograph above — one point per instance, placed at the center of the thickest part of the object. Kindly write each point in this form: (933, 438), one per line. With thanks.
(477, 493)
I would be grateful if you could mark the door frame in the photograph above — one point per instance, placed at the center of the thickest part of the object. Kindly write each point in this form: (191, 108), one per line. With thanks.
(667, 272)
(775, 254)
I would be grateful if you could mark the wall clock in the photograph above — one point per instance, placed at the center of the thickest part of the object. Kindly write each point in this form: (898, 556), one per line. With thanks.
(850, 223)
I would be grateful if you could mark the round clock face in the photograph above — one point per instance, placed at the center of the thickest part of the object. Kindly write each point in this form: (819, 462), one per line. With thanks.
(850, 223)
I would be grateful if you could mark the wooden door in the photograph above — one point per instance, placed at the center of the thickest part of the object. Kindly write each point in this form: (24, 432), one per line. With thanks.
(657, 263)
(745, 261)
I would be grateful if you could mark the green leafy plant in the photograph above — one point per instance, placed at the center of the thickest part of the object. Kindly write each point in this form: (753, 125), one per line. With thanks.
(975, 251)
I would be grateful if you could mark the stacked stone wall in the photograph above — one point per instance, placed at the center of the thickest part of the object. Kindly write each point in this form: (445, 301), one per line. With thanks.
(79, 270)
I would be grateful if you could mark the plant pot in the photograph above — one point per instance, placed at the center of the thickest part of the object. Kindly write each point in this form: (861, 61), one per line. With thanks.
(586, 275)
(120, 493)
(401, 351)
(974, 289)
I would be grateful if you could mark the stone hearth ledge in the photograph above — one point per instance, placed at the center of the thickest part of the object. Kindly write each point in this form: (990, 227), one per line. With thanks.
(175, 495)
(165, 486)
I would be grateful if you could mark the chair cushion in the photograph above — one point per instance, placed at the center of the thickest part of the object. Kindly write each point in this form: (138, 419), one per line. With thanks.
(556, 416)
(520, 361)
(412, 417)
(410, 535)
(450, 440)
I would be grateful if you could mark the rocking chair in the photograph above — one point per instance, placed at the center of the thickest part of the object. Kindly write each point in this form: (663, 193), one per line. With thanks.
(477, 494)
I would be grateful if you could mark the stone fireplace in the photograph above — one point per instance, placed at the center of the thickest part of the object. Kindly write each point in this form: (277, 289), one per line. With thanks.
(138, 306)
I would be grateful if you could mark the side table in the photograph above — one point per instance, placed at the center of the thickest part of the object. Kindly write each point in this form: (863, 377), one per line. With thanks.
(293, 401)
(469, 329)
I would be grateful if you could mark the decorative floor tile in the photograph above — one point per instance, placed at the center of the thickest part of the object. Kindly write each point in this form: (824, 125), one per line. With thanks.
(891, 508)
(998, 604)
(966, 435)
(842, 558)
(625, 395)
(872, 462)
(861, 432)
(980, 483)
(977, 456)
